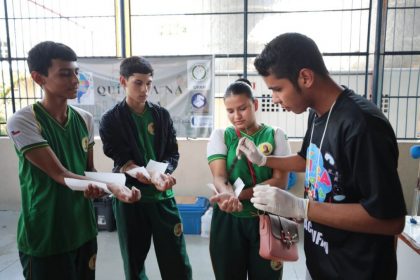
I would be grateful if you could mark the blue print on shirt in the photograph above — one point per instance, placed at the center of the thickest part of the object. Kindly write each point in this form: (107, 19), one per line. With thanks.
(317, 180)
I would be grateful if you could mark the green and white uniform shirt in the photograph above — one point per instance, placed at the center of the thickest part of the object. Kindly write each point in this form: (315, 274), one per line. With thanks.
(146, 135)
(223, 143)
(54, 219)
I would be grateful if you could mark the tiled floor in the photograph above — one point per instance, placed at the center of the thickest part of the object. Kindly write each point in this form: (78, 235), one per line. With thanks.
(109, 263)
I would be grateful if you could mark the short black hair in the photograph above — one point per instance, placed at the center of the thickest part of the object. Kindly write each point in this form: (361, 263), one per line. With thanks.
(289, 53)
(240, 87)
(41, 55)
(135, 64)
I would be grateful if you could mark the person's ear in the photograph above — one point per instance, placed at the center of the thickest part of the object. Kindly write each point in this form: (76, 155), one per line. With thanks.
(38, 78)
(306, 78)
(255, 104)
(123, 81)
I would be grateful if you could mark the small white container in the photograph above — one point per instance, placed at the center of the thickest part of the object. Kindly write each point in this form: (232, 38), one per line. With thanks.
(206, 222)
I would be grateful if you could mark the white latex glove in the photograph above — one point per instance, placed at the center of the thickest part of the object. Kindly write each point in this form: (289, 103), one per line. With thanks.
(248, 148)
(279, 202)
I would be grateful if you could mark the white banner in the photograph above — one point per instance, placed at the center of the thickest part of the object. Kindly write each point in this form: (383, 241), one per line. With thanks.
(181, 84)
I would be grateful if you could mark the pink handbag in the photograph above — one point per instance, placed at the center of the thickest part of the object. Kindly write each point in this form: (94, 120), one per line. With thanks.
(278, 238)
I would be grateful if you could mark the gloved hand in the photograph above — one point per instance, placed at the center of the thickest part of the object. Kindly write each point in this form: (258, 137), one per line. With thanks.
(279, 202)
(248, 148)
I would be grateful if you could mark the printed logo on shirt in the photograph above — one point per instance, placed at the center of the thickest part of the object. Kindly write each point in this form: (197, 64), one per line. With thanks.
(92, 262)
(178, 229)
(151, 128)
(85, 144)
(322, 180)
(317, 180)
(276, 265)
(316, 236)
(265, 148)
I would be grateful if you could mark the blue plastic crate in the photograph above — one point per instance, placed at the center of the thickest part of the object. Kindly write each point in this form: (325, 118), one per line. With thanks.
(191, 215)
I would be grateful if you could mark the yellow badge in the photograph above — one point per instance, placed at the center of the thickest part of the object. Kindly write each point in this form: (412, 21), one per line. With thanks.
(276, 265)
(178, 229)
(151, 128)
(92, 262)
(85, 144)
(266, 148)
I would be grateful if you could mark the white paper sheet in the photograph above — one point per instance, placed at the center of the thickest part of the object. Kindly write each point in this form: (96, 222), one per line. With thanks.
(81, 185)
(238, 186)
(152, 167)
(155, 166)
(136, 170)
(107, 177)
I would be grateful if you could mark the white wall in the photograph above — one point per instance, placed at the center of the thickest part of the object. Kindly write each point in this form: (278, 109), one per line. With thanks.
(192, 173)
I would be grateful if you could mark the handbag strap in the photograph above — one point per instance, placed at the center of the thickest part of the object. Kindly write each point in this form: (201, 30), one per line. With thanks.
(250, 167)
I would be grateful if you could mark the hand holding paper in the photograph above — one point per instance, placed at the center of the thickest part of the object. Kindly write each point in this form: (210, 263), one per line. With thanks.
(112, 183)
(227, 202)
(143, 174)
(93, 192)
(124, 194)
(82, 185)
(162, 181)
(140, 173)
(115, 182)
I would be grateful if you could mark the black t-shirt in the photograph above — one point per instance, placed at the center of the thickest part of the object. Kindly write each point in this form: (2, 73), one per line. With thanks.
(357, 164)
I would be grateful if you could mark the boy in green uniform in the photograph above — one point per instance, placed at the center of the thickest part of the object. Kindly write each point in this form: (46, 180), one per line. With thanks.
(57, 228)
(134, 132)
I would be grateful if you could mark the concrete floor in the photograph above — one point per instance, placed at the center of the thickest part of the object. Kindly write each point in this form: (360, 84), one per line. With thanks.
(109, 262)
